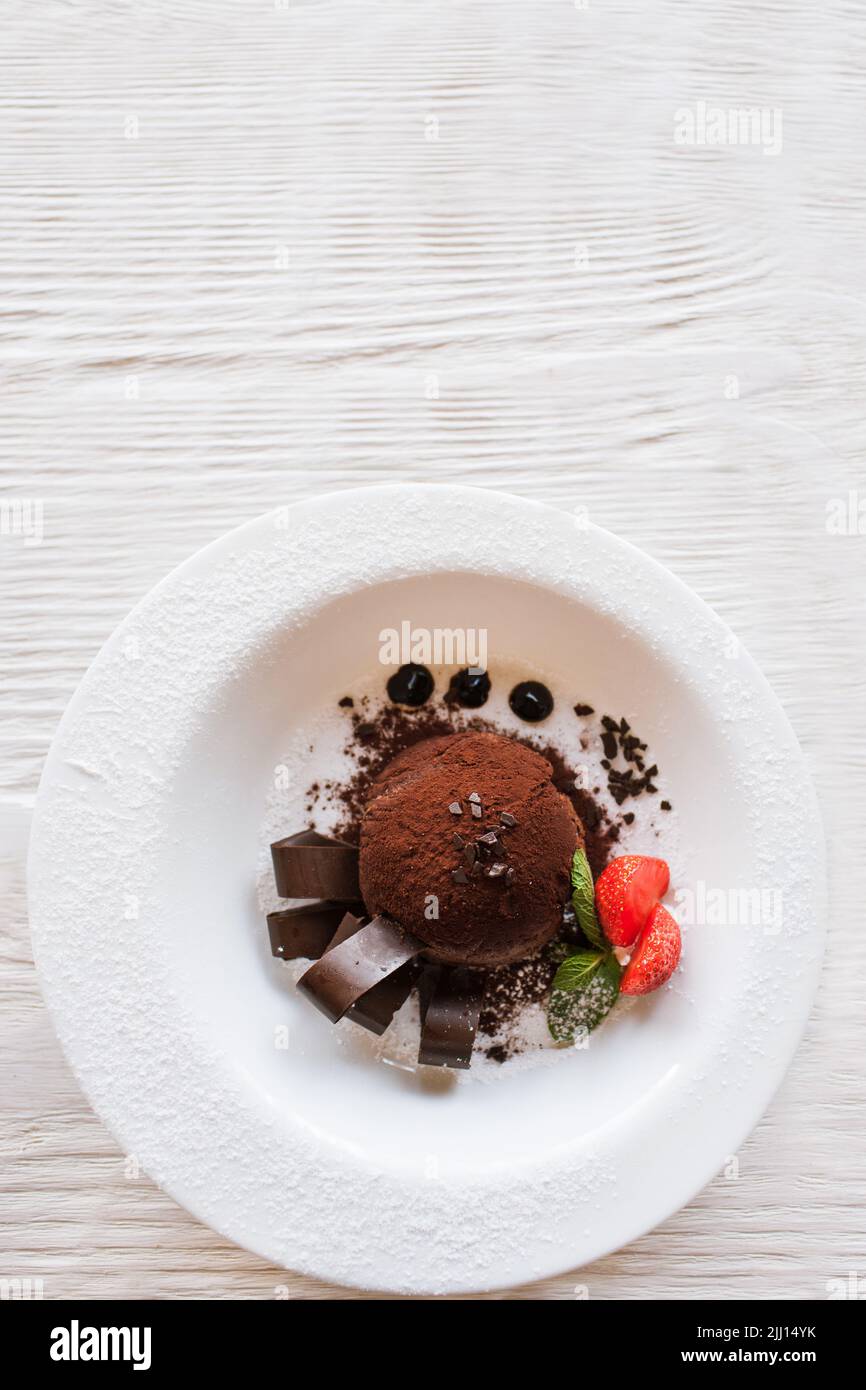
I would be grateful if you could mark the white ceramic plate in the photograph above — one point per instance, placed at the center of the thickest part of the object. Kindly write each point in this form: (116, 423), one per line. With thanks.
(153, 954)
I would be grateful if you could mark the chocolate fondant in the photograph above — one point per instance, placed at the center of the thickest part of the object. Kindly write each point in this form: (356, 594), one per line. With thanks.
(498, 898)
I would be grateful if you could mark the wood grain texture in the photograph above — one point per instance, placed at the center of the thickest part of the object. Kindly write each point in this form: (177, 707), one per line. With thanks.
(254, 251)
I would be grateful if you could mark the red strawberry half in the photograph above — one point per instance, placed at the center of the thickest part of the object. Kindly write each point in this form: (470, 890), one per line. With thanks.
(626, 893)
(657, 954)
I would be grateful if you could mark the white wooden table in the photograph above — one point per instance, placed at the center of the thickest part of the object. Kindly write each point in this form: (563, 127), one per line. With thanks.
(253, 251)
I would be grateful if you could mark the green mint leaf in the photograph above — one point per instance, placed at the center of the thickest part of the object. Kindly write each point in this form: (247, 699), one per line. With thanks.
(583, 898)
(580, 1009)
(576, 970)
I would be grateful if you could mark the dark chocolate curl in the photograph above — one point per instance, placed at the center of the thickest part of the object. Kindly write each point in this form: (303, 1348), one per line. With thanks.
(427, 987)
(450, 1007)
(310, 865)
(357, 964)
(375, 1009)
(304, 932)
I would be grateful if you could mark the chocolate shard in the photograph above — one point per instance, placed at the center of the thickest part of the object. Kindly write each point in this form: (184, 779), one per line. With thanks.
(450, 1009)
(508, 820)
(310, 865)
(360, 961)
(304, 932)
(455, 808)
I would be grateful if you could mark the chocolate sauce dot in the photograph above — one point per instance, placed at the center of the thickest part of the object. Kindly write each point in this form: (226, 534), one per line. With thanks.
(531, 701)
(411, 685)
(469, 688)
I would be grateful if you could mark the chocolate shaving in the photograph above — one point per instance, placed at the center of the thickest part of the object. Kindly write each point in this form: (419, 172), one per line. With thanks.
(618, 739)
(356, 964)
(299, 932)
(310, 865)
(450, 1007)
